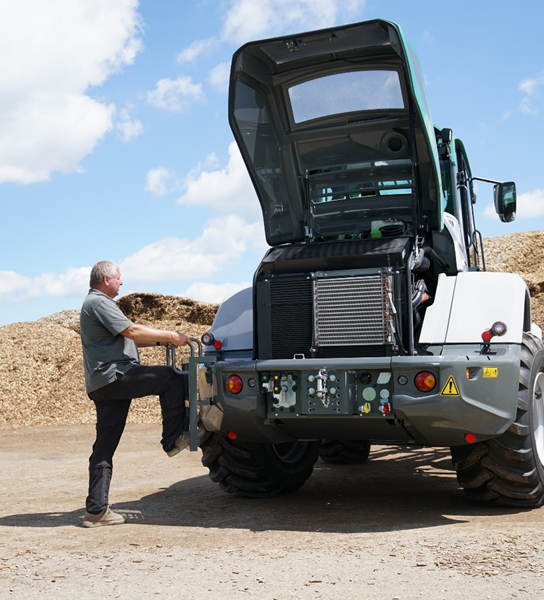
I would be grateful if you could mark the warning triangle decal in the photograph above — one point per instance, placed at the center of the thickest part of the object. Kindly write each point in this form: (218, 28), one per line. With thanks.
(450, 389)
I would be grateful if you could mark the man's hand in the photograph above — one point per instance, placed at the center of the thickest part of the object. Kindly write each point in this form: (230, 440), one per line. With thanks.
(180, 339)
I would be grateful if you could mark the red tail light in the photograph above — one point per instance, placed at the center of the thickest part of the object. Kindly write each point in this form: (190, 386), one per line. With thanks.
(425, 381)
(486, 336)
(234, 384)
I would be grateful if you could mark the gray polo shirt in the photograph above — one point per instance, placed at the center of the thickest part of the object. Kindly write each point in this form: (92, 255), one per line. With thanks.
(105, 351)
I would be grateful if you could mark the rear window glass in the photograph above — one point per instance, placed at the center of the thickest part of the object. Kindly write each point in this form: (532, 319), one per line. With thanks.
(353, 91)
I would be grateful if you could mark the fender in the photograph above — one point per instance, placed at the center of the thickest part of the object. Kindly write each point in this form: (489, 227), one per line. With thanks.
(233, 323)
(470, 302)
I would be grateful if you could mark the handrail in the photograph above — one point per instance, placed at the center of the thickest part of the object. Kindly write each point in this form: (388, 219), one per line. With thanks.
(190, 369)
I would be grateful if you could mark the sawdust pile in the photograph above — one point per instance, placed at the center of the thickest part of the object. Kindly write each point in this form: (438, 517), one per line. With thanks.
(41, 367)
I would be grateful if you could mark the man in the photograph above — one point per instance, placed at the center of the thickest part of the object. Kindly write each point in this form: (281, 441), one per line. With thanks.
(114, 375)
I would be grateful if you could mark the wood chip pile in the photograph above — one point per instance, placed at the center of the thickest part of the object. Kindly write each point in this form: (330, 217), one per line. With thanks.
(41, 367)
(41, 364)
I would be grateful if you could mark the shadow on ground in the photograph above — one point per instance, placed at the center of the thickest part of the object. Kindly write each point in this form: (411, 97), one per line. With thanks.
(394, 490)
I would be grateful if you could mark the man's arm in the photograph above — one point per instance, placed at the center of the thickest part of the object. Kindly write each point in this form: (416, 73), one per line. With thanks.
(147, 336)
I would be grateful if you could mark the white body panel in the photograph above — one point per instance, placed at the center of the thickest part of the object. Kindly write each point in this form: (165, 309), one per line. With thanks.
(469, 303)
(233, 323)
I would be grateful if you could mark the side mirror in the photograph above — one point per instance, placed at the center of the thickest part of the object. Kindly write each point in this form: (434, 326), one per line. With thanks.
(504, 195)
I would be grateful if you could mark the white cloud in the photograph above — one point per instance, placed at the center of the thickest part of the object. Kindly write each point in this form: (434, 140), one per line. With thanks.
(530, 205)
(222, 243)
(227, 189)
(247, 20)
(212, 292)
(48, 62)
(530, 87)
(12, 284)
(175, 95)
(194, 50)
(73, 282)
(156, 181)
(128, 127)
(15, 287)
(219, 77)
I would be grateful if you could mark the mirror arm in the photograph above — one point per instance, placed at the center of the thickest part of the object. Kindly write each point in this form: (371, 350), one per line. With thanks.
(487, 180)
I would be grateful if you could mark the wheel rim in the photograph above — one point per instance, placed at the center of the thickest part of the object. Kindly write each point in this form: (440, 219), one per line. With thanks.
(538, 415)
(291, 452)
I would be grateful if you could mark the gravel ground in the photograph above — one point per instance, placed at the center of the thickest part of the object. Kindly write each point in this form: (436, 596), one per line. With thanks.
(397, 527)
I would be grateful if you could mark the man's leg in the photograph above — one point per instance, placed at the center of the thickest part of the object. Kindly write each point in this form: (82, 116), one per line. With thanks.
(111, 416)
(156, 380)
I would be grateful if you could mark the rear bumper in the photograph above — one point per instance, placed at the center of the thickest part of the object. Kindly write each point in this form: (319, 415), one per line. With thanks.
(370, 398)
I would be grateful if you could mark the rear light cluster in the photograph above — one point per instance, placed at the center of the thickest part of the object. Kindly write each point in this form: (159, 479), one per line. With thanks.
(497, 329)
(425, 381)
(234, 384)
(208, 340)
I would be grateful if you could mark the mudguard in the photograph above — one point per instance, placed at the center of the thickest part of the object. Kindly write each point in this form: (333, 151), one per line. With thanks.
(233, 323)
(471, 302)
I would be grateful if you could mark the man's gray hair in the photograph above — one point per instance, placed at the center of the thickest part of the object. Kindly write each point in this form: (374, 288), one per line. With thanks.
(104, 268)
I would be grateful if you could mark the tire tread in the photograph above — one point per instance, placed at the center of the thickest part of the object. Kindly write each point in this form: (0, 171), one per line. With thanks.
(507, 470)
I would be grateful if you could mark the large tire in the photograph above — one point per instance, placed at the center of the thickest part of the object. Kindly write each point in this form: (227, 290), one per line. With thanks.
(508, 470)
(344, 451)
(258, 470)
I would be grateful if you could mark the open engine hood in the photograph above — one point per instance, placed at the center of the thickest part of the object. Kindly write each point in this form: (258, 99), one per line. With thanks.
(335, 131)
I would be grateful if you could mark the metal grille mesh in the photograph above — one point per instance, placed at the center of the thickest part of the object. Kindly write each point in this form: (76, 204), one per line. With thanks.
(353, 311)
(290, 317)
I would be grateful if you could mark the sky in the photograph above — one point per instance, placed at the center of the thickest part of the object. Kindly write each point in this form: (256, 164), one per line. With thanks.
(115, 143)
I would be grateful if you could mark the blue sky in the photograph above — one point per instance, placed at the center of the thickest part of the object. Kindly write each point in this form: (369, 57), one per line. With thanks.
(114, 140)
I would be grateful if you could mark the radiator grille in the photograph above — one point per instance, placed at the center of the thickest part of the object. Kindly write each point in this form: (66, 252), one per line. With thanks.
(353, 311)
(336, 317)
(290, 317)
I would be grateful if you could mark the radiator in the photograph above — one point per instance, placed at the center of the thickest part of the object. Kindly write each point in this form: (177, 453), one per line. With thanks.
(353, 311)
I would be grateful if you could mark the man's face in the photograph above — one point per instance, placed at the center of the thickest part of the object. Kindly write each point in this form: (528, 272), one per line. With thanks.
(112, 285)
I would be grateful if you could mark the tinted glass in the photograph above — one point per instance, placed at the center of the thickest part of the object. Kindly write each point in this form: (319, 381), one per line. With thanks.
(262, 148)
(345, 92)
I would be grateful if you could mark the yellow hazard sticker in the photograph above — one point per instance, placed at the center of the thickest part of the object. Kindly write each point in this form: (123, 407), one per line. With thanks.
(491, 371)
(450, 389)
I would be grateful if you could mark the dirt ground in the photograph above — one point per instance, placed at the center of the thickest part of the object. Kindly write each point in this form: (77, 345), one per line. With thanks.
(397, 527)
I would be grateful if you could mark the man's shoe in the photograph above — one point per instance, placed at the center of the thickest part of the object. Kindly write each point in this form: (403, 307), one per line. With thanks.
(183, 441)
(106, 517)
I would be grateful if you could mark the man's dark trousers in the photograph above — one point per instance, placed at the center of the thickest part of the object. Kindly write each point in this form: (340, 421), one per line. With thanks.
(112, 406)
